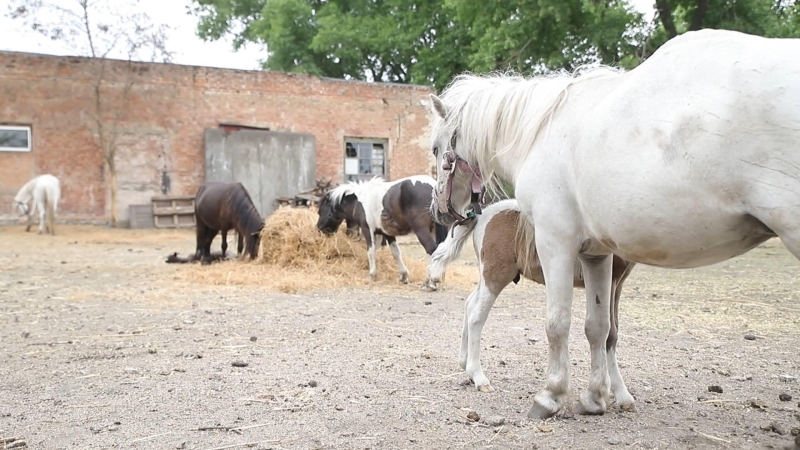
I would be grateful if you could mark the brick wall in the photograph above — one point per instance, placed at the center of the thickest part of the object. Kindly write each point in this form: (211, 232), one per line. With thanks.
(160, 125)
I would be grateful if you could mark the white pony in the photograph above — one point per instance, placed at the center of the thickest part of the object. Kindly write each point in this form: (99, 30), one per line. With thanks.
(45, 191)
(688, 160)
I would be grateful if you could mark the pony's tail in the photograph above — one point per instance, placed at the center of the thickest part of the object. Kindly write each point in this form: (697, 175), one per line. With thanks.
(448, 251)
(441, 233)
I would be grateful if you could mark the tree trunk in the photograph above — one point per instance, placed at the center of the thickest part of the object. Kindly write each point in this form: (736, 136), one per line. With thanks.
(112, 180)
(665, 16)
(699, 15)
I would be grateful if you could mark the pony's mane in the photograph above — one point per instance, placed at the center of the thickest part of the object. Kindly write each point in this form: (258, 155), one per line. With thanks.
(243, 206)
(336, 194)
(504, 113)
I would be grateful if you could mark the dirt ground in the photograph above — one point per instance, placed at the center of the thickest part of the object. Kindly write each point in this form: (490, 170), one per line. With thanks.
(103, 345)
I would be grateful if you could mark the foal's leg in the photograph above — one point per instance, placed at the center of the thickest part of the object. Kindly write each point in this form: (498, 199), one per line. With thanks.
(478, 313)
(398, 259)
(224, 236)
(597, 278)
(468, 305)
(623, 398)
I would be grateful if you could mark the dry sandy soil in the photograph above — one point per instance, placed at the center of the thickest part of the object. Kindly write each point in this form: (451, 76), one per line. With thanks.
(103, 345)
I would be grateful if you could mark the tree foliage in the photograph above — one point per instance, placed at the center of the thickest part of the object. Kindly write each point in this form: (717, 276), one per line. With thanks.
(429, 41)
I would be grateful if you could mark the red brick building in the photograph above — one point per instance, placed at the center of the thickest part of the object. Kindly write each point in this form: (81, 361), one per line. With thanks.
(161, 111)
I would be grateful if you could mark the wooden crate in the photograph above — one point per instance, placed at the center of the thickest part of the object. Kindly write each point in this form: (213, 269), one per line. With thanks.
(174, 211)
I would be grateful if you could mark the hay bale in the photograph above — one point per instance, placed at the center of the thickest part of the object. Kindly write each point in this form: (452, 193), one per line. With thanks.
(290, 238)
(296, 257)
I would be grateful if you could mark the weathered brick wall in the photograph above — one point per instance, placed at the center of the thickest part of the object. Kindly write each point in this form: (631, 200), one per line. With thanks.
(161, 124)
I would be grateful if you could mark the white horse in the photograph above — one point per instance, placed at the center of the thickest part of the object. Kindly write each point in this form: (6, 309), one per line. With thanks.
(690, 159)
(45, 191)
(504, 255)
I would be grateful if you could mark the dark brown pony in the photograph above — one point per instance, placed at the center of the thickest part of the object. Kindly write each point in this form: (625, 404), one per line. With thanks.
(220, 207)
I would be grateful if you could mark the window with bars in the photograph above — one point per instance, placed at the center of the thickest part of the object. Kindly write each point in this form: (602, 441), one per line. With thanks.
(364, 159)
(15, 138)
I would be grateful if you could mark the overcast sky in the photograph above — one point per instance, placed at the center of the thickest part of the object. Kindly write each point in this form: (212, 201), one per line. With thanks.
(188, 48)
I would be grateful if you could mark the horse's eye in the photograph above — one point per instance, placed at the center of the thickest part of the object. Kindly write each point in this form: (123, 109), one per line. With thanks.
(453, 142)
(435, 151)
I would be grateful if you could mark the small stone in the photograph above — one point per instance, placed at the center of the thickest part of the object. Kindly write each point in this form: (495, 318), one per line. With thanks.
(545, 428)
(724, 372)
(312, 383)
(767, 427)
(181, 446)
(787, 378)
(779, 429)
(25, 334)
(253, 338)
(152, 351)
(239, 363)
(131, 370)
(188, 322)
(750, 337)
(495, 421)
(613, 440)
(473, 416)
(714, 388)
(756, 403)
(113, 428)
(795, 431)
(339, 408)
(533, 340)
(785, 397)
(427, 303)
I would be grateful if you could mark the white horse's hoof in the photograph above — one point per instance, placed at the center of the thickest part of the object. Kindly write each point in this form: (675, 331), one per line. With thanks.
(544, 406)
(589, 405)
(628, 407)
(486, 388)
(372, 277)
(404, 278)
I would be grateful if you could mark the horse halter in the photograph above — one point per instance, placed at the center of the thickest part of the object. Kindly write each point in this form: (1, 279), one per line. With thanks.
(450, 162)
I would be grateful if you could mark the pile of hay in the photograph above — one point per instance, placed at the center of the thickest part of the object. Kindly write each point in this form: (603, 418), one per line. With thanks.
(294, 257)
(290, 239)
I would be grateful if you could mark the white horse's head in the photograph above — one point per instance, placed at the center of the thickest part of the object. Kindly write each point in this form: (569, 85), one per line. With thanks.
(458, 184)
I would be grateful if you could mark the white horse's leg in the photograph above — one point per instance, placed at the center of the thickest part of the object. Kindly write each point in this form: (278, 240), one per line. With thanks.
(42, 213)
(597, 278)
(468, 305)
(557, 256)
(373, 269)
(398, 259)
(478, 313)
(623, 398)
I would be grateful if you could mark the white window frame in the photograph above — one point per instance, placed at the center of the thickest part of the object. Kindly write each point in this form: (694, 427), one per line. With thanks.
(366, 140)
(25, 128)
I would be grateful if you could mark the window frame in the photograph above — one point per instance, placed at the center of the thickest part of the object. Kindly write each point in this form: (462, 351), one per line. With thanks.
(365, 140)
(26, 128)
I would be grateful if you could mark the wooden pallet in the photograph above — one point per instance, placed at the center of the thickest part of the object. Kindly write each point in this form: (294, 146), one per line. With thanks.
(174, 211)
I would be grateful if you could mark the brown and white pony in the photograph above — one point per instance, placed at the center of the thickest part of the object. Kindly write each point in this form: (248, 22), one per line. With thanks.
(220, 207)
(503, 257)
(385, 208)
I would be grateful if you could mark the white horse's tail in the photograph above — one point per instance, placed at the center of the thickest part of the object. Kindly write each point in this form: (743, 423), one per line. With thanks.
(447, 252)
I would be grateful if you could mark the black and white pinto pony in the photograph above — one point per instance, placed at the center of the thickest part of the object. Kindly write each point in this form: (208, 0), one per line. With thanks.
(690, 159)
(44, 191)
(504, 256)
(384, 208)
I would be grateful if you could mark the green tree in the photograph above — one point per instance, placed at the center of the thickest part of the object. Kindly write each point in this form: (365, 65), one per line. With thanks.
(403, 41)
(770, 18)
(541, 35)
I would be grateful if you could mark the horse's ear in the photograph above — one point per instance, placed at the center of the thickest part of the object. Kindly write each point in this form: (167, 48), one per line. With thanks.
(438, 106)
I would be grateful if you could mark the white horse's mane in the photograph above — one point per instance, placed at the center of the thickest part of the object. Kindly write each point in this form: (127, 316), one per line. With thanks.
(353, 187)
(504, 113)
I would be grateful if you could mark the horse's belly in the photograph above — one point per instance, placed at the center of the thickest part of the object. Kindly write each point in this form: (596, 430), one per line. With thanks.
(690, 245)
